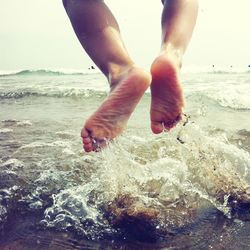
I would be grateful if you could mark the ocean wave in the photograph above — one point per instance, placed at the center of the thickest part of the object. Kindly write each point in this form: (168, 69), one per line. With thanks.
(18, 123)
(38, 144)
(12, 164)
(74, 93)
(24, 123)
(6, 130)
(239, 71)
(229, 98)
(227, 72)
(77, 72)
(215, 70)
(46, 72)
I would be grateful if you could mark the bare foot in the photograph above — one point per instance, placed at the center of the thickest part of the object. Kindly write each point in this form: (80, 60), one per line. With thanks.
(167, 96)
(111, 117)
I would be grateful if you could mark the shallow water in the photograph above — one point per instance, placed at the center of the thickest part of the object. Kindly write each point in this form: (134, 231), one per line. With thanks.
(188, 189)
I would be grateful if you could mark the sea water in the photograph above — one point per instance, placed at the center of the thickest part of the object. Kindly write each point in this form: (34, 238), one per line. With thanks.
(184, 189)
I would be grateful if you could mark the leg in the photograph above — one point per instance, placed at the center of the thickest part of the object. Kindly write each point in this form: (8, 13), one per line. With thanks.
(98, 32)
(178, 21)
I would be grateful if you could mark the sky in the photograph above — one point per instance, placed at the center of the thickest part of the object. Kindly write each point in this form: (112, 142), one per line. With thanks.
(38, 35)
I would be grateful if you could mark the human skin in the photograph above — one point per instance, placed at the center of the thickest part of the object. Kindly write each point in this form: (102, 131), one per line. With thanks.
(178, 21)
(99, 34)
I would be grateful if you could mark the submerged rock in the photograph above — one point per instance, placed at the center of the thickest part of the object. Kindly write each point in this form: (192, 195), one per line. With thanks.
(132, 217)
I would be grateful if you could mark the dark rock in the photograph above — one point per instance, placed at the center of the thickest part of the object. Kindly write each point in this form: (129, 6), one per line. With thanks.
(133, 218)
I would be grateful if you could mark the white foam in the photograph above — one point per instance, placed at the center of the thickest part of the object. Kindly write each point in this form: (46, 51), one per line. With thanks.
(68, 151)
(39, 144)
(13, 164)
(6, 130)
(236, 97)
(24, 123)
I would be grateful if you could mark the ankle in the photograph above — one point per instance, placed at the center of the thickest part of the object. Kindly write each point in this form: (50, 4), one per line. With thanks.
(116, 73)
(174, 54)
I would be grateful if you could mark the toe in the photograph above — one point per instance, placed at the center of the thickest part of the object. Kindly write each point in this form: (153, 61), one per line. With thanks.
(88, 147)
(84, 133)
(157, 127)
(171, 124)
(86, 140)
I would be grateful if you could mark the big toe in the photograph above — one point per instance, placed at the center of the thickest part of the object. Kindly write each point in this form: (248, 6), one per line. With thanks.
(157, 127)
(87, 147)
(91, 143)
(86, 140)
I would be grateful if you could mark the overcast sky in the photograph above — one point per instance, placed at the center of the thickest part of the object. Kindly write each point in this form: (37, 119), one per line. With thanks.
(36, 34)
